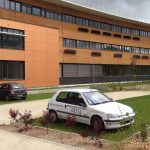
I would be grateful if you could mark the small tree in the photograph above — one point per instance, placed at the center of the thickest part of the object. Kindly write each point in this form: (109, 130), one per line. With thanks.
(26, 118)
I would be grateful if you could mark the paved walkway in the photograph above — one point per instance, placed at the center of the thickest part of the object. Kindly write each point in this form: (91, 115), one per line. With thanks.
(127, 94)
(11, 141)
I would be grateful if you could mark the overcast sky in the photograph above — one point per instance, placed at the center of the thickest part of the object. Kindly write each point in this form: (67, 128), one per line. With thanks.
(134, 8)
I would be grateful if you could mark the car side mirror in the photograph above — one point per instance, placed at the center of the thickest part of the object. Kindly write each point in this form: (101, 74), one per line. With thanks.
(82, 104)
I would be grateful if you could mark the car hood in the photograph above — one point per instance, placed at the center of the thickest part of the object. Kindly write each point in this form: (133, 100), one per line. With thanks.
(113, 108)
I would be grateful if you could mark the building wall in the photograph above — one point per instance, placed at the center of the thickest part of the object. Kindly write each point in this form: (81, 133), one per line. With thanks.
(40, 54)
(68, 30)
(45, 36)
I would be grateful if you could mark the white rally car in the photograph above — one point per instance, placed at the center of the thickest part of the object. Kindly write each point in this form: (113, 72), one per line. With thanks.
(91, 107)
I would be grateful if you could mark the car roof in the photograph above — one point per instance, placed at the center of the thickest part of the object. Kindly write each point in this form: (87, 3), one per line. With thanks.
(77, 90)
(10, 83)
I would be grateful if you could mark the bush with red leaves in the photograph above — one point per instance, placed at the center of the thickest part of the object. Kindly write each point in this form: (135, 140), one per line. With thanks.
(13, 114)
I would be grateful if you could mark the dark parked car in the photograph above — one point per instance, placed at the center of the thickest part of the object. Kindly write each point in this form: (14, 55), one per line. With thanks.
(12, 91)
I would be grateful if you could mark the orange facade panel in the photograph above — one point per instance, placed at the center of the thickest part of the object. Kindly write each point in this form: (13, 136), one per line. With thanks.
(41, 54)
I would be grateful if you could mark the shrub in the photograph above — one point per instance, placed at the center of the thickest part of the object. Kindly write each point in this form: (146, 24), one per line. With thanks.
(26, 118)
(13, 114)
(70, 121)
(144, 132)
(46, 119)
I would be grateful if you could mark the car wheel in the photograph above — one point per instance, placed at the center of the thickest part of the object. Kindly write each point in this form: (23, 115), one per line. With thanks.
(53, 115)
(97, 125)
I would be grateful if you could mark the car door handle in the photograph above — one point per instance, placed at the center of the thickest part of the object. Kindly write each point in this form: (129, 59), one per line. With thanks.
(65, 106)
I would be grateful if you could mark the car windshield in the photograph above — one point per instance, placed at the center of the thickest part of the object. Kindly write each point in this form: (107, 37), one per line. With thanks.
(17, 86)
(95, 98)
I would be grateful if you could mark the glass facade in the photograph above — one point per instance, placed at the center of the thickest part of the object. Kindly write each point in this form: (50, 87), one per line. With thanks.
(103, 46)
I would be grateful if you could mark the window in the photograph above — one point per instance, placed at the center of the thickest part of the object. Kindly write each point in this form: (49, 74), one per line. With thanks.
(2, 3)
(106, 26)
(62, 97)
(18, 7)
(68, 18)
(82, 21)
(26, 9)
(116, 28)
(94, 24)
(76, 99)
(126, 30)
(135, 32)
(12, 5)
(36, 11)
(11, 38)
(69, 43)
(12, 70)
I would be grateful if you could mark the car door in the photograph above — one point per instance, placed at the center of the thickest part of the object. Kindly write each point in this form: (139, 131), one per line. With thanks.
(77, 107)
(4, 90)
(60, 104)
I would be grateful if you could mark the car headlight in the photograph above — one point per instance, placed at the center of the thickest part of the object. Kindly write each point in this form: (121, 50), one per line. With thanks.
(113, 116)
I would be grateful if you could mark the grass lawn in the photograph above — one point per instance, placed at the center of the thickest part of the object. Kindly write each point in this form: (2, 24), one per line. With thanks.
(30, 97)
(141, 106)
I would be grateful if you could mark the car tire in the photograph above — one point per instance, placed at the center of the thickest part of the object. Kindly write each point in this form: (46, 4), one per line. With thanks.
(97, 125)
(53, 115)
(23, 98)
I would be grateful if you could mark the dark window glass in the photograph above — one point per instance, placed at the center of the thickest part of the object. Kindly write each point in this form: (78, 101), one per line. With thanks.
(12, 5)
(26, 9)
(11, 40)
(12, 70)
(47, 14)
(7, 4)
(43, 13)
(62, 97)
(51, 15)
(36, 11)
(18, 7)
(2, 3)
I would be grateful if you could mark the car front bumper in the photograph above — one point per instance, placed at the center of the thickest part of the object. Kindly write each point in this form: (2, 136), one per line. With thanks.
(122, 122)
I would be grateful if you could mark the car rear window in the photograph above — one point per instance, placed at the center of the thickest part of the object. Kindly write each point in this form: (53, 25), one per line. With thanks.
(17, 86)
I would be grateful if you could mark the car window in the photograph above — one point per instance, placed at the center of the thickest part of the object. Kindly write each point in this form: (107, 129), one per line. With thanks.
(71, 98)
(5, 86)
(62, 97)
(17, 86)
(76, 99)
(95, 98)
